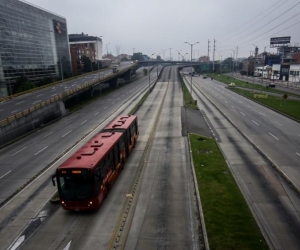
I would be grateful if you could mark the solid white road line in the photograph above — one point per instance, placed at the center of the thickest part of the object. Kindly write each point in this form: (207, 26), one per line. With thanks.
(48, 134)
(5, 174)
(20, 102)
(274, 136)
(67, 133)
(36, 101)
(41, 150)
(18, 151)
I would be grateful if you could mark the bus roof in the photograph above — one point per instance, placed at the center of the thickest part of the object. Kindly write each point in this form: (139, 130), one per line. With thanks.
(121, 122)
(89, 155)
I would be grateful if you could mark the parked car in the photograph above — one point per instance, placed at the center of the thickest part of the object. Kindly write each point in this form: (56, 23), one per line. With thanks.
(204, 76)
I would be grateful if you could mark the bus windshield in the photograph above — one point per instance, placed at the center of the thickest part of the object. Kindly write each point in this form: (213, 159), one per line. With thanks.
(75, 187)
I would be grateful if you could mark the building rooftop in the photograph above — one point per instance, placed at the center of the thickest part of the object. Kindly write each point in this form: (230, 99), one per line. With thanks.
(82, 38)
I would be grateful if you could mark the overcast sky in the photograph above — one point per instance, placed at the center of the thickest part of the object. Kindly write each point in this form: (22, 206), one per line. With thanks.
(151, 26)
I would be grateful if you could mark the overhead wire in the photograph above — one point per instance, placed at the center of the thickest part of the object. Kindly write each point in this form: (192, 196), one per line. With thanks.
(276, 26)
(263, 12)
(274, 33)
(263, 26)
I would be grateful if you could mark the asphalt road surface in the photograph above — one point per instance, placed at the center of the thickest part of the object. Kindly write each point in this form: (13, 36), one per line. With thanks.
(171, 209)
(23, 102)
(273, 202)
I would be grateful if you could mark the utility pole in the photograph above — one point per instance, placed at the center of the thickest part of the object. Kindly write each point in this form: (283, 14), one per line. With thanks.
(236, 56)
(214, 55)
(208, 54)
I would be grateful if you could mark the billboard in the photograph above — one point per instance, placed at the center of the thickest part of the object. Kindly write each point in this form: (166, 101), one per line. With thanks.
(280, 41)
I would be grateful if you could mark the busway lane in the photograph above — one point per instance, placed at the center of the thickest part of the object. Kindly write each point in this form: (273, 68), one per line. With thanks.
(92, 230)
(21, 209)
(273, 203)
(166, 212)
(275, 134)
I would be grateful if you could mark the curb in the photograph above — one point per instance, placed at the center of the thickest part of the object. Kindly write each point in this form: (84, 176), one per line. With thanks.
(281, 172)
(204, 232)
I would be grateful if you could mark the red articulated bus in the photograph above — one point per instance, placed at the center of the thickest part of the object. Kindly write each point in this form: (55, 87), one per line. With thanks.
(128, 125)
(85, 179)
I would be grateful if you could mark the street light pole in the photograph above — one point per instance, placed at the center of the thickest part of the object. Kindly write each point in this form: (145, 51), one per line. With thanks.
(107, 49)
(149, 75)
(170, 54)
(191, 67)
(233, 60)
(163, 50)
(178, 54)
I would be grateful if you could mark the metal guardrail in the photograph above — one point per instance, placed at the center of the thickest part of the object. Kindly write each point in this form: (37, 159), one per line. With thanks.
(59, 97)
(50, 84)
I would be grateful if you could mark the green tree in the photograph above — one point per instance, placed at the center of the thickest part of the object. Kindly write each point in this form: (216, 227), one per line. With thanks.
(22, 84)
(137, 56)
(87, 64)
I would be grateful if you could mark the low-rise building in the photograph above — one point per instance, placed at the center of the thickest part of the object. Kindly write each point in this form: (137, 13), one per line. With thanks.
(84, 45)
(294, 73)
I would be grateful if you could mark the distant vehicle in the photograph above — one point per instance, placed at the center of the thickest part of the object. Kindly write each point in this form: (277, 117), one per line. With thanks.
(84, 180)
(231, 84)
(115, 68)
(204, 76)
(145, 71)
(272, 84)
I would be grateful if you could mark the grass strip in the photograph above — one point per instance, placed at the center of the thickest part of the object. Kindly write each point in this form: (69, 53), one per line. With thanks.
(285, 106)
(228, 219)
(189, 102)
(239, 83)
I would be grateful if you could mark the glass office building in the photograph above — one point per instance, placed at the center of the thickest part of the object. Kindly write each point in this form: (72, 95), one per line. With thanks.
(33, 42)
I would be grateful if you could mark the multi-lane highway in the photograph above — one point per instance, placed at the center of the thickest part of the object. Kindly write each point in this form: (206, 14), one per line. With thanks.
(23, 159)
(273, 202)
(163, 210)
(20, 103)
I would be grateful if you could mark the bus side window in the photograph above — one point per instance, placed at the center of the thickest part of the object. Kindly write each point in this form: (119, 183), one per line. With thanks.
(97, 179)
(117, 153)
(136, 126)
(122, 145)
(112, 158)
(104, 166)
(129, 136)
